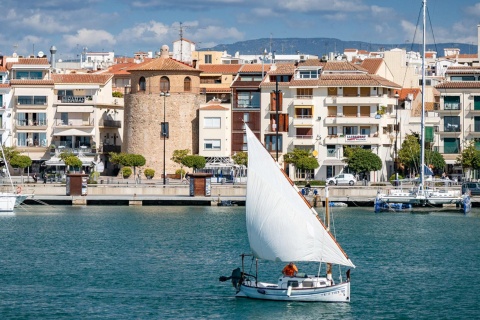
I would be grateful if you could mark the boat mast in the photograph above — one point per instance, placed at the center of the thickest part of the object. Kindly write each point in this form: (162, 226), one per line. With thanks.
(422, 134)
(327, 225)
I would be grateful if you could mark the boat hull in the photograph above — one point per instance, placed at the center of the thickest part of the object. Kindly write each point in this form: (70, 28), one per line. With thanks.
(264, 291)
(8, 201)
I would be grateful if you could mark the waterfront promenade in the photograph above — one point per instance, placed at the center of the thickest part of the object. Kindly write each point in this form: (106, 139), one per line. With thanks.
(115, 191)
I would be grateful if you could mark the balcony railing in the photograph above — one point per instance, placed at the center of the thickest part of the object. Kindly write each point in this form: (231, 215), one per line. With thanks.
(448, 149)
(452, 106)
(272, 128)
(449, 127)
(111, 148)
(111, 123)
(30, 123)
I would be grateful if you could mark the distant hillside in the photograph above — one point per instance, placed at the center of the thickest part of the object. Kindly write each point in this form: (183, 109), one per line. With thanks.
(321, 46)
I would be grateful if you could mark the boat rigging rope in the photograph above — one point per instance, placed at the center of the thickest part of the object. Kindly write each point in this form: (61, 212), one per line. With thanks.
(332, 219)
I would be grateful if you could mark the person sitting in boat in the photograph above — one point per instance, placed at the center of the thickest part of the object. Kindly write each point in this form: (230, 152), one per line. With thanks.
(290, 270)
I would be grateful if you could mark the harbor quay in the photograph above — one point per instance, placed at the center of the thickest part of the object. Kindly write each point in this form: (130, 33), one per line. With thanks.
(153, 192)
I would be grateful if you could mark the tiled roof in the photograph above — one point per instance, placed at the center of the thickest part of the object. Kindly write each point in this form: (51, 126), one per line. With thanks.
(283, 69)
(218, 90)
(254, 68)
(3, 69)
(220, 68)
(372, 64)
(82, 78)
(31, 82)
(4, 85)
(458, 85)
(121, 68)
(28, 61)
(214, 107)
(342, 66)
(355, 80)
(350, 50)
(311, 63)
(163, 64)
(403, 93)
(304, 83)
(462, 70)
(245, 84)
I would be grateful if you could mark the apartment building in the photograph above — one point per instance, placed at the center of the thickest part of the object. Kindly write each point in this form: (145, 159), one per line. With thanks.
(459, 111)
(325, 107)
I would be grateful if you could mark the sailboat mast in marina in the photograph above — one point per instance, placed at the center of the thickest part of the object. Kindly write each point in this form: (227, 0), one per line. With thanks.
(406, 195)
(283, 227)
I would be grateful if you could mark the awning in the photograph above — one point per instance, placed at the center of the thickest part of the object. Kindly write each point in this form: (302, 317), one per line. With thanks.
(75, 108)
(334, 162)
(66, 131)
(55, 161)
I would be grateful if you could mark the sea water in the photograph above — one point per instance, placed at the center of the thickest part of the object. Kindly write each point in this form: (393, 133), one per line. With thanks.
(100, 262)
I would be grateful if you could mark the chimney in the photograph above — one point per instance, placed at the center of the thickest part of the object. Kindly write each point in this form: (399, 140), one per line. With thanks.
(164, 53)
(53, 50)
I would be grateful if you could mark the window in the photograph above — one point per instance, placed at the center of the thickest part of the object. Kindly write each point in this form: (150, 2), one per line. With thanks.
(476, 102)
(451, 124)
(208, 59)
(164, 84)
(246, 117)
(307, 74)
(364, 111)
(350, 111)
(332, 131)
(476, 121)
(164, 130)
(30, 75)
(21, 119)
(42, 119)
(330, 171)
(1, 101)
(331, 150)
(332, 111)
(211, 122)
(365, 130)
(211, 144)
(451, 102)
(350, 130)
(462, 78)
(271, 142)
(428, 82)
(64, 118)
(187, 84)
(142, 84)
(22, 139)
(451, 145)
(304, 93)
(248, 99)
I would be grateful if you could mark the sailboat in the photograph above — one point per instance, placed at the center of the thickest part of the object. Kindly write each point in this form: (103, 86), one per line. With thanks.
(12, 199)
(422, 194)
(283, 226)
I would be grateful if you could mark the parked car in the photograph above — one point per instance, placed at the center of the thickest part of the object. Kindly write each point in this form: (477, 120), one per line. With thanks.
(473, 187)
(344, 178)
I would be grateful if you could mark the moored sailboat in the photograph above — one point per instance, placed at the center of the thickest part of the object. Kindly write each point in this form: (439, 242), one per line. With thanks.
(283, 226)
(422, 194)
(10, 199)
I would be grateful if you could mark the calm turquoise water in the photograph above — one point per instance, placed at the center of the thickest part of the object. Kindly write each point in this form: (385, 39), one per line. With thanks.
(164, 263)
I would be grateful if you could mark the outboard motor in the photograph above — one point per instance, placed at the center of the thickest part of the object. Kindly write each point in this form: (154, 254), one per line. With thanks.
(237, 278)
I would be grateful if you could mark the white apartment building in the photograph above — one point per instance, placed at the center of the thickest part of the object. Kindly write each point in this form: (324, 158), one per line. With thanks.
(325, 107)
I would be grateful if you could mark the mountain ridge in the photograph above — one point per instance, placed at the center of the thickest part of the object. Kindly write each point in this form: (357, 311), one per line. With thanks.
(323, 46)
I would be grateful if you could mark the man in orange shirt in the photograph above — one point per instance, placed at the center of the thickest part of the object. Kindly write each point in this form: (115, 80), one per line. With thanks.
(290, 270)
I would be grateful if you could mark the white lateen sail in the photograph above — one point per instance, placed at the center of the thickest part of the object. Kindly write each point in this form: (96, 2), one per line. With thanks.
(280, 224)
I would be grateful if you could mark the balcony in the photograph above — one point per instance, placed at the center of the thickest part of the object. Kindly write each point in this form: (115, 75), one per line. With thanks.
(301, 100)
(342, 120)
(451, 130)
(61, 147)
(111, 124)
(304, 140)
(473, 130)
(110, 148)
(354, 139)
(448, 149)
(357, 100)
(303, 121)
(450, 107)
(271, 128)
(31, 124)
(471, 108)
(73, 123)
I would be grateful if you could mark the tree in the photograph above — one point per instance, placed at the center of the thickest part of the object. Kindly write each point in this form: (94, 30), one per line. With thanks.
(362, 160)
(128, 159)
(240, 158)
(410, 151)
(434, 160)
(469, 158)
(194, 161)
(20, 161)
(301, 159)
(178, 156)
(133, 160)
(10, 152)
(71, 160)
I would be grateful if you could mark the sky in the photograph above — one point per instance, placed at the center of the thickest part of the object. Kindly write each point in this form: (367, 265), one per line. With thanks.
(129, 26)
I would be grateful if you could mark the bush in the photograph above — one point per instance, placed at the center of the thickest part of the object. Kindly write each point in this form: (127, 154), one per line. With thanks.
(126, 172)
(180, 172)
(117, 94)
(149, 173)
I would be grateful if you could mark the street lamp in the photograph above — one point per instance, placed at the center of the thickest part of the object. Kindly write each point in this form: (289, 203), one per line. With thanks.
(164, 134)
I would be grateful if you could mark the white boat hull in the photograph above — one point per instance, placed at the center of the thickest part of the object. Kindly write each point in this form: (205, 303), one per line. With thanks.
(8, 201)
(321, 293)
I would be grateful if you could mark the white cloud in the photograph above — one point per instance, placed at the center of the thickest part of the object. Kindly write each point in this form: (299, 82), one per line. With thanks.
(44, 23)
(91, 38)
(322, 5)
